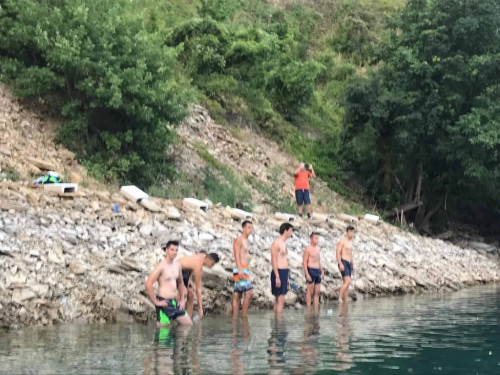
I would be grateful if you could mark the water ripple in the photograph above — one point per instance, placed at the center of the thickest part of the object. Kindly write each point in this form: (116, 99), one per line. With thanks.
(429, 334)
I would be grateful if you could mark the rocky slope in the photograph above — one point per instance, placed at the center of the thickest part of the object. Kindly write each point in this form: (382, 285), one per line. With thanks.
(67, 258)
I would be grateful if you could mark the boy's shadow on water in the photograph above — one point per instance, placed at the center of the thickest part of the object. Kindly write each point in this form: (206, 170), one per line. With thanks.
(276, 346)
(175, 350)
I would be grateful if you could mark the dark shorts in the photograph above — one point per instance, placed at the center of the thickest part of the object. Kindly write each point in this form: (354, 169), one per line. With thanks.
(315, 274)
(347, 268)
(302, 197)
(165, 314)
(186, 277)
(283, 289)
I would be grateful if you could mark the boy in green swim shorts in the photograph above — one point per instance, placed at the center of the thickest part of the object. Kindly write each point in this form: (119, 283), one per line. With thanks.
(169, 277)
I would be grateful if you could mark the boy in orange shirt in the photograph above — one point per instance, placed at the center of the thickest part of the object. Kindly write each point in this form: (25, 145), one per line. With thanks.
(302, 175)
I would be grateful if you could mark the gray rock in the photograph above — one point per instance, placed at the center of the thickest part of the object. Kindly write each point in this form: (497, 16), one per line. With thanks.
(112, 302)
(206, 237)
(20, 295)
(77, 268)
(99, 295)
(53, 257)
(146, 230)
(70, 235)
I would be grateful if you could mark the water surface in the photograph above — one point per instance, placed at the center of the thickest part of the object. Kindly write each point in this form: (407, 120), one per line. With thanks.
(452, 333)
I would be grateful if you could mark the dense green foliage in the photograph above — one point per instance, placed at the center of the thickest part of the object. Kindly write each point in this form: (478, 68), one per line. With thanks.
(423, 125)
(393, 103)
(115, 82)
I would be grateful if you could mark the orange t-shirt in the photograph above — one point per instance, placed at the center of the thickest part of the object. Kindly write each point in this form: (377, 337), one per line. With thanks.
(302, 180)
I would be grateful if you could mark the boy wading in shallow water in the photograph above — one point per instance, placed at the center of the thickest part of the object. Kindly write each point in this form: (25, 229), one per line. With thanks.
(346, 263)
(192, 265)
(279, 262)
(241, 273)
(313, 270)
(169, 276)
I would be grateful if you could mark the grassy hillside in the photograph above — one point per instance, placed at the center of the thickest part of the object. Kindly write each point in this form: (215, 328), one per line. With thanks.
(378, 95)
(119, 72)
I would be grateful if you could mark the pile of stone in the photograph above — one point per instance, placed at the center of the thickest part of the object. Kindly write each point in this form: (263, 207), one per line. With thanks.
(67, 257)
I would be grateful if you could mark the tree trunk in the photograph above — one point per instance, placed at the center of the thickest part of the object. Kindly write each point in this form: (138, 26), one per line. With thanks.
(403, 209)
(423, 224)
(409, 192)
(386, 164)
(419, 183)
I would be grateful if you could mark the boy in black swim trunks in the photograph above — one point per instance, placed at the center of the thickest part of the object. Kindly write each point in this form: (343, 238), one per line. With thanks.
(169, 277)
(313, 270)
(346, 262)
(280, 272)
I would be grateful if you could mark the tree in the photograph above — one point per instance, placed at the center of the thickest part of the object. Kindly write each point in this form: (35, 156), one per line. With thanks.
(117, 82)
(429, 103)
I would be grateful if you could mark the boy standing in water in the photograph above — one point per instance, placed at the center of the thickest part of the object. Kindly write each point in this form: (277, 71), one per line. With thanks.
(241, 274)
(346, 263)
(313, 270)
(279, 262)
(169, 276)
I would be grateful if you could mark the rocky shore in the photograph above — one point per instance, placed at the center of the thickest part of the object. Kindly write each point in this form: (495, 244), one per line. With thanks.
(67, 257)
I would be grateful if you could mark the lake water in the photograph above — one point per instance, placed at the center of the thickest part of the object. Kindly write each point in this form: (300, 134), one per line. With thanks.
(452, 333)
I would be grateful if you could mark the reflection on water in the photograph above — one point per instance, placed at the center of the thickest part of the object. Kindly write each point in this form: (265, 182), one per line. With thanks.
(434, 334)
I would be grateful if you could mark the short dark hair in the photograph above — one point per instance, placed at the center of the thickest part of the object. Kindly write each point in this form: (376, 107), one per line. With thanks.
(284, 227)
(244, 224)
(314, 234)
(349, 228)
(214, 257)
(170, 243)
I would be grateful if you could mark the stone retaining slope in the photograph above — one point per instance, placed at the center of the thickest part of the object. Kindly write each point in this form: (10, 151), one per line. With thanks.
(67, 258)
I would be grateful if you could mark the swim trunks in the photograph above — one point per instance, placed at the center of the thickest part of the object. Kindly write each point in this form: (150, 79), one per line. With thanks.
(347, 268)
(186, 276)
(165, 314)
(315, 274)
(302, 197)
(241, 286)
(283, 288)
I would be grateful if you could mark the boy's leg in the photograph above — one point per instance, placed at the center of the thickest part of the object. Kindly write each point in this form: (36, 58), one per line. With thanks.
(246, 302)
(236, 303)
(309, 293)
(317, 291)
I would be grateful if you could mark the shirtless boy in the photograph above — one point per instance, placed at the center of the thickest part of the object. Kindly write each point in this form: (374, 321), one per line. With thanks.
(346, 263)
(241, 274)
(313, 270)
(279, 262)
(193, 265)
(169, 276)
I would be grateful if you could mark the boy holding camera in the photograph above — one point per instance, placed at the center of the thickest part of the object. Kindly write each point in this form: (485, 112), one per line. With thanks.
(302, 175)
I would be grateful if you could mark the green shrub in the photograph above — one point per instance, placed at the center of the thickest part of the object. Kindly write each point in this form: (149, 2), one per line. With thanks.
(227, 189)
(10, 174)
(118, 82)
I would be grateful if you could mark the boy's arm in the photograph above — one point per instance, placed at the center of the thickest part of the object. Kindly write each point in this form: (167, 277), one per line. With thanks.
(182, 289)
(312, 174)
(236, 251)
(197, 279)
(296, 172)
(321, 268)
(305, 258)
(153, 277)
(274, 262)
(340, 245)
